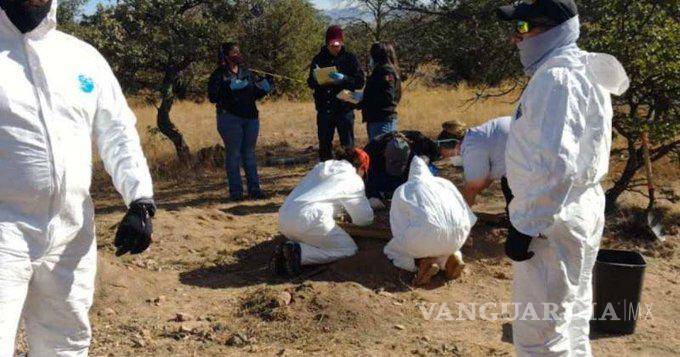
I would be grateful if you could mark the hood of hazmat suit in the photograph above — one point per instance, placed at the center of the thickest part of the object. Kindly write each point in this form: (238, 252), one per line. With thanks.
(557, 155)
(428, 218)
(307, 214)
(57, 95)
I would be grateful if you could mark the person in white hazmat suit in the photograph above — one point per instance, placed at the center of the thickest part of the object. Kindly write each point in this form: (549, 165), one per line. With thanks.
(430, 222)
(557, 155)
(480, 150)
(57, 94)
(307, 216)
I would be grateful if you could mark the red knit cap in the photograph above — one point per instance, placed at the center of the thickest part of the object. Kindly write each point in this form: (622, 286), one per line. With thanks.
(364, 159)
(334, 34)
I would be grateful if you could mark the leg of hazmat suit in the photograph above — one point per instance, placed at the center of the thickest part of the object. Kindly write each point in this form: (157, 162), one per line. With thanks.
(335, 245)
(553, 290)
(60, 297)
(15, 274)
(55, 293)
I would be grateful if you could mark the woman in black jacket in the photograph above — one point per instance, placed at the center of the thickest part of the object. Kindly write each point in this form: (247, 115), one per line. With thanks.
(383, 91)
(234, 90)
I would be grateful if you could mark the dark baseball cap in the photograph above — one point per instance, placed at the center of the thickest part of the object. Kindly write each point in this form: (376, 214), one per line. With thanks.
(397, 155)
(558, 11)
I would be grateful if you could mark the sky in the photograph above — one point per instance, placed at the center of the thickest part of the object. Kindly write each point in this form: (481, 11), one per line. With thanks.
(321, 4)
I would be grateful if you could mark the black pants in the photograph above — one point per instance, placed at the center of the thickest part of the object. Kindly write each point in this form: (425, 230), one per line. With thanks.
(507, 193)
(326, 127)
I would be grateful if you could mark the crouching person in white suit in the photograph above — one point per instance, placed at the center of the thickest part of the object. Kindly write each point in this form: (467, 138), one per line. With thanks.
(307, 215)
(430, 222)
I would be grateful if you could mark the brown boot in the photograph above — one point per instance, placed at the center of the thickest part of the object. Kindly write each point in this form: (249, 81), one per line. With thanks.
(427, 268)
(454, 267)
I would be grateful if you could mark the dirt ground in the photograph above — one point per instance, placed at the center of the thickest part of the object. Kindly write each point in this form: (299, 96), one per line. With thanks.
(204, 288)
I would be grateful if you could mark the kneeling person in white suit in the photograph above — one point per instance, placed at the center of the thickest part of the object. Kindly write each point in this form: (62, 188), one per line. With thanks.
(430, 222)
(307, 215)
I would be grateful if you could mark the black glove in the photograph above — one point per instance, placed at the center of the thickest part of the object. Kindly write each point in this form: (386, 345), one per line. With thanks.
(517, 245)
(134, 232)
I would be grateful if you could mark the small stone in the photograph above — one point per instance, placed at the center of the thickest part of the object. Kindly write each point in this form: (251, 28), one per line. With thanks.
(182, 317)
(189, 327)
(400, 327)
(236, 341)
(159, 300)
(283, 299)
(138, 341)
(109, 312)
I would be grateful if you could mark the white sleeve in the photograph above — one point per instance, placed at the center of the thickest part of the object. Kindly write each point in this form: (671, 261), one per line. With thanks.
(555, 109)
(359, 209)
(118, 141)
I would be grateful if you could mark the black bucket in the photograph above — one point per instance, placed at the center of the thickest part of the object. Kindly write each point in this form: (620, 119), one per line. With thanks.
(617, 287)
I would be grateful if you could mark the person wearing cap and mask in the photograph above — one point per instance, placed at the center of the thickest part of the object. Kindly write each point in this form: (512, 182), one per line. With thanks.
(58, 94)
(391, 156)
(480, 151)
(332, 113)
(557, 154)
(307, 216)
(235, 91)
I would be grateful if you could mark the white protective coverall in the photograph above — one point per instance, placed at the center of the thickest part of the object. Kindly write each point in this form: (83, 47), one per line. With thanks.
(557, 155)
(57, 94)
(428, 217)
(307, 214)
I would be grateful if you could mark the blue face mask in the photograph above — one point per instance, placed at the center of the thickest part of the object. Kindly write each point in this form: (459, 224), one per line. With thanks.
(534, 51)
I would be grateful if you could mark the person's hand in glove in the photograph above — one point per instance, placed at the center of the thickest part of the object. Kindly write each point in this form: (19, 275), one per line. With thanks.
(237, 84)
(264, 85)
(517, 245)
(337, 77)
(134, 231)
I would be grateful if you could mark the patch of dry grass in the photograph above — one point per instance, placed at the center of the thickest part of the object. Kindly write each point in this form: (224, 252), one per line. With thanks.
(294, 123)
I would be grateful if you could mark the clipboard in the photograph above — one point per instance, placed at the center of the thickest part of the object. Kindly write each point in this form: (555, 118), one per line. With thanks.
(323, 75)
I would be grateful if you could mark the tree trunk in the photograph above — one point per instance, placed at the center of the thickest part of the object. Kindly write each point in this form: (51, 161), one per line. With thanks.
(632, 165)
(164, 123)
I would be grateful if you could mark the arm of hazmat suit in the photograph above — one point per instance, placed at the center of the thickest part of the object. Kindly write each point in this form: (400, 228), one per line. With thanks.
(118, 140)
(360, 210)
(552, 126)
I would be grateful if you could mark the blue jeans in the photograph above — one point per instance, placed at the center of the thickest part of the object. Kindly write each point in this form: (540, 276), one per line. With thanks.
(326, 126)
(378, 128)
(240, 137)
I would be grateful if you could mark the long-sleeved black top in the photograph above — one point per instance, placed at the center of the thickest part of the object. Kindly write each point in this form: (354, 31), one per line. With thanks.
(325, 97)
(382, 94)
(242, 102)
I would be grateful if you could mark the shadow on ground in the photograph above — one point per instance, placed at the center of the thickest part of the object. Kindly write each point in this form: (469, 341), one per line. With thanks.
(245, 210)
(369, 267)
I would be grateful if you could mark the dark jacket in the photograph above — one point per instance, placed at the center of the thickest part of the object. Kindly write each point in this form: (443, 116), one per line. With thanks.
(325, 97)
(240, 102)
(382, 94)
(375, 180)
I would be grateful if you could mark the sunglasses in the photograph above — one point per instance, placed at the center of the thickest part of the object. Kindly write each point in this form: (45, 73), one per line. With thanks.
(523, 27)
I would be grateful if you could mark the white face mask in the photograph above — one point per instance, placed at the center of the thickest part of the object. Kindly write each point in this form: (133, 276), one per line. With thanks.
(371, 64)
(457, 161)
